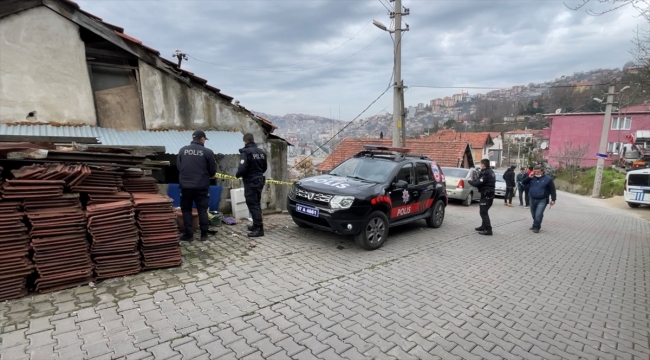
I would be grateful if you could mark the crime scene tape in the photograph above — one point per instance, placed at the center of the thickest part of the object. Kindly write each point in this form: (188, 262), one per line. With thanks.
(268, 181)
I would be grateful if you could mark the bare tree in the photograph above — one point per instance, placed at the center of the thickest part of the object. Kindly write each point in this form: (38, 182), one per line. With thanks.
(304, 165)
(570, 157)
(641, 50)
(642, 6)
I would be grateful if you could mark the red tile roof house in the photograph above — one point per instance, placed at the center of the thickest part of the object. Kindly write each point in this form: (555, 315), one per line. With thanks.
(445, 153)
(66, 72)
(583, 130)
(480, 142)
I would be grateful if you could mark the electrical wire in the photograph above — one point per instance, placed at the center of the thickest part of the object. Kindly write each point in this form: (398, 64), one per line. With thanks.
(293, 70)
(302, 61)
(387, 8)
(340, 131)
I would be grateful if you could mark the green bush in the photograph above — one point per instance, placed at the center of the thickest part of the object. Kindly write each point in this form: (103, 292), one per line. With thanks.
(612, 184)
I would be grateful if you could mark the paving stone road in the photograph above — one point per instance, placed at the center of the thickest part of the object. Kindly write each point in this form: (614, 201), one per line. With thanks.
(580, 289)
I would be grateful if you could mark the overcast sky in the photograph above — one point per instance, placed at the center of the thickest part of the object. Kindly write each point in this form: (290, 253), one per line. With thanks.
(312, 56)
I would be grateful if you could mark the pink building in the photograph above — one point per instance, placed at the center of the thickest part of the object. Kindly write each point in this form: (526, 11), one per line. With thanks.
(582, 130)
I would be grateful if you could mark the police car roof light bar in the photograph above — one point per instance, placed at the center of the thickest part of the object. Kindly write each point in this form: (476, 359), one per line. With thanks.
(400, 150)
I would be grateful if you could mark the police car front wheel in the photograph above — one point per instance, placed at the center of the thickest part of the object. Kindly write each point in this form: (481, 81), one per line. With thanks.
(374, 232)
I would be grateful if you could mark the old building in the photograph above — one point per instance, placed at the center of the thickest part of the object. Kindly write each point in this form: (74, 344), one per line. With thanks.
(445, 153)
(480, 142)
(578, 134)
(65, 72)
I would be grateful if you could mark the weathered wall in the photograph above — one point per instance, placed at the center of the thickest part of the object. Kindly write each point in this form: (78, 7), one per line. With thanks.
(170, 104)
(43, 69)
(279, 171)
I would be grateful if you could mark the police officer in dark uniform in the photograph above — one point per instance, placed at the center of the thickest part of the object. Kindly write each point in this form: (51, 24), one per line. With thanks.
(252, 167)
(485, 184)
(196, 166)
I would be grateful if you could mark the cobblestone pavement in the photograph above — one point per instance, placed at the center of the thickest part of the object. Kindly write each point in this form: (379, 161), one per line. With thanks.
(579, 289)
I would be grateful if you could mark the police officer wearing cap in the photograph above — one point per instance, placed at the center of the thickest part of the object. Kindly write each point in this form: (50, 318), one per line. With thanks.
(485, 183)
(196, 166)
(252, 167)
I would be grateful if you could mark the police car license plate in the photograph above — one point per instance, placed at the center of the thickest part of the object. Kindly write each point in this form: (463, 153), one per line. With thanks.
(307, 210)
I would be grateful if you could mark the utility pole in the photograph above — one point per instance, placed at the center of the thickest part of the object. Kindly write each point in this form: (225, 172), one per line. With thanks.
(399, 127)
(398, 123)
(602, 151)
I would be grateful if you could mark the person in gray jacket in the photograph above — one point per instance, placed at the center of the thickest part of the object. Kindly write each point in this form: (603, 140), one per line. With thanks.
(541, 187)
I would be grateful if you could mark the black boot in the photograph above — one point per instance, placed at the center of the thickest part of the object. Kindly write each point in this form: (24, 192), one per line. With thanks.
(256, 232)
(251, 227)
(186, 237)
(480, 228)
(204, 235)
(486, 232)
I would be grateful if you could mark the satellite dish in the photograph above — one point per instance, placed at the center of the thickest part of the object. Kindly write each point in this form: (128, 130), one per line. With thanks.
(544, 145)
(558, 111)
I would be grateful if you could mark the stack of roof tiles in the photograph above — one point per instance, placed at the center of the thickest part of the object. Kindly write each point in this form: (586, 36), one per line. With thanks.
(101, 180)
(22, 189)
(114, 248)
(158, 231)
(15, 266)
(136, 182)
(58, 239)
(71, 174)
(94, 199)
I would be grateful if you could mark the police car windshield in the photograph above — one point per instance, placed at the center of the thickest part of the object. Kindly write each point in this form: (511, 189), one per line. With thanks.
(375, 170)
(499, 177)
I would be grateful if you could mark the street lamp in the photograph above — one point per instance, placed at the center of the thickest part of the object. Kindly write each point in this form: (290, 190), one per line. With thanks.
(380, 25)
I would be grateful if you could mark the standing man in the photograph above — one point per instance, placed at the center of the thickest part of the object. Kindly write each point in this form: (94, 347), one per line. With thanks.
(485, 184)
(252, 167)
(509, 178)
(541, 188)
(523, 189)
(196, 166)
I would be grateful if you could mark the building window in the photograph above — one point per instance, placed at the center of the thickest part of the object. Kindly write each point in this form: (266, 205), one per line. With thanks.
(613, 147)
(621, 123)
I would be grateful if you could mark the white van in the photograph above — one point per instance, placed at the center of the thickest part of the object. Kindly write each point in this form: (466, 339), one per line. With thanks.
(637, 188)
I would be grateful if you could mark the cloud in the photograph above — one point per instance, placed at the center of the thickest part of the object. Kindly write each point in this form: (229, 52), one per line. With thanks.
(450, 43)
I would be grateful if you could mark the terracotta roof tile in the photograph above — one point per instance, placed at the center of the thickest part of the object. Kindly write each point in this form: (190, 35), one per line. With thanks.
(445, 153)
(476, 140)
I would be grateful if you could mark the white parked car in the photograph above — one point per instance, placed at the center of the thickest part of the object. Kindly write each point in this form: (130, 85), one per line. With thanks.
(500, 186)
(637, 188)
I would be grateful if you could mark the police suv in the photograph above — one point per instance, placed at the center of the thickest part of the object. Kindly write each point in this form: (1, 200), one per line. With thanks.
(367, 194)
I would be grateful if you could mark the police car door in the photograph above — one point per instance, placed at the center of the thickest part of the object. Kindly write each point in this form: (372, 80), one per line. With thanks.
(402, 199)
(425, 187)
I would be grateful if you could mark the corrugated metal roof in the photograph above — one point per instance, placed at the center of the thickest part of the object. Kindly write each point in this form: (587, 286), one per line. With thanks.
(224, 142)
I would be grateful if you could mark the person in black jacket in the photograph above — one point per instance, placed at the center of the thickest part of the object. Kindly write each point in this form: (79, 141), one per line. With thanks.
(523, 189)
(509, 178)
(196, 166)
(252, 167)
(485, 184)
(541, 189)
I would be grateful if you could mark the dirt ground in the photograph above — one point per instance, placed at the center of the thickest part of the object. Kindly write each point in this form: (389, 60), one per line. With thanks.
(617, 202)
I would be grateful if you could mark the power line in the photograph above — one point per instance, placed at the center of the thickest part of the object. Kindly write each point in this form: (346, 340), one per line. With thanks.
(340, 131)
(501, 87)
(293, 70)
(389, 11)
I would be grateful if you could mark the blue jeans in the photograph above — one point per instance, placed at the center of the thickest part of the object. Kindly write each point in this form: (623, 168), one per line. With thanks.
(537, 207)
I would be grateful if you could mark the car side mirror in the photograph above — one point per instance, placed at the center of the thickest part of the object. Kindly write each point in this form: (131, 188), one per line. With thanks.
(400, 184)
